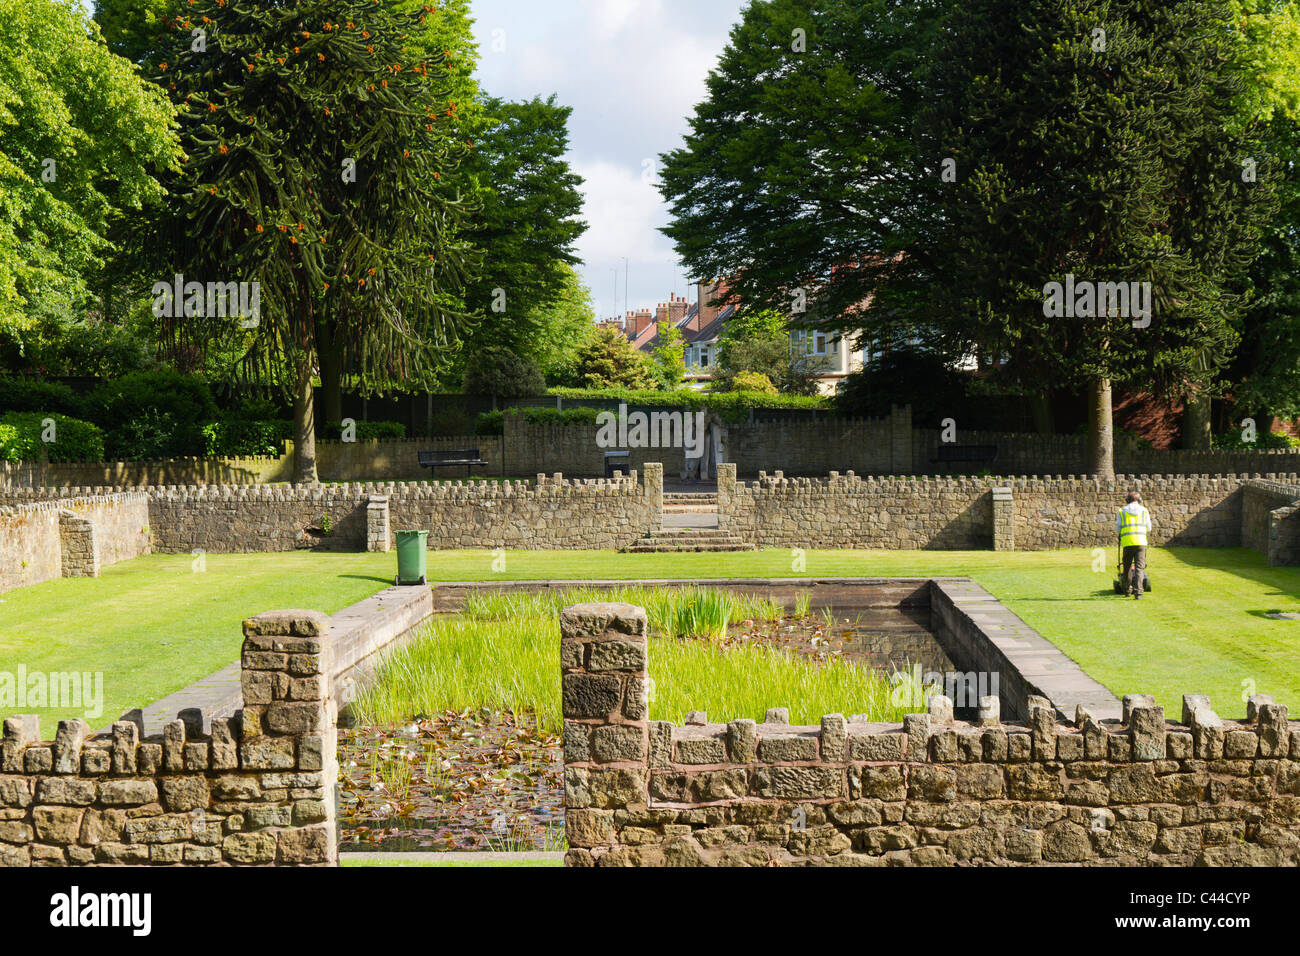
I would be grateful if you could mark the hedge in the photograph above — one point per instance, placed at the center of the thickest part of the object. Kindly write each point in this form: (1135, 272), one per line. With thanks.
(729, 406)
(74, 440)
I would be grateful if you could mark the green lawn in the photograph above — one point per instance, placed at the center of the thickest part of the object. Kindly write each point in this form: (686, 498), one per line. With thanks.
(153, 626)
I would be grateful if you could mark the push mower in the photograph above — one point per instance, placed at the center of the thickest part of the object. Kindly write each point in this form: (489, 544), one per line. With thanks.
(1119, 584)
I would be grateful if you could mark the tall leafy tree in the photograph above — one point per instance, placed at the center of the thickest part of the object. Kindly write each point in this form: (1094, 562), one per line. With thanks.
(82, 139)
(313, 163)
(1090, 140)
(526, 227)
(134, 28)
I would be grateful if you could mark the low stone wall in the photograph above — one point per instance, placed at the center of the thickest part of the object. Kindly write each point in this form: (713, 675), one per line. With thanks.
(849, 511)
(257, 790)
(531, 447)
(551, 513)
(70, 537)
(931, 791)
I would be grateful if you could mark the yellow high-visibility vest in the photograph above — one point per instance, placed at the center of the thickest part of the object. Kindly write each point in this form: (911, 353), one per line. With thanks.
(1133, 528)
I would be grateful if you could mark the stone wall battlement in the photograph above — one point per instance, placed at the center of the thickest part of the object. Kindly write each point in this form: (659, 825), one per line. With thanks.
(255, 789)
(932, 790)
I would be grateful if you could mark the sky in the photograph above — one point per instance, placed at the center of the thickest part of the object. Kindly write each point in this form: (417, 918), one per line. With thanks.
(633, 71)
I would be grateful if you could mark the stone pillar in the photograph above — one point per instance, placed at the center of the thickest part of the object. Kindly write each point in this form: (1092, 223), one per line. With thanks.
(77, 545)
(1004, 520)
(377, 536)
(900, 440)
(652, 473)
(288, 724)
(605, 698)
(726, 488)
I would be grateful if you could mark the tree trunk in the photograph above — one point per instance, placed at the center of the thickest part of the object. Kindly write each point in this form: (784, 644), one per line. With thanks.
(304, 426)
(1040, 407)
(331, 371)
(1101, 430)
(1196, 422)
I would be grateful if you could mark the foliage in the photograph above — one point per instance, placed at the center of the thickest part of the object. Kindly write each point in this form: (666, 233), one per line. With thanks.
(1231, 440)
(903, 376)
(669, 356)
(234, 436)
(496, 655)
(363, 431)
(526, 228)
(497, 371)
(23, 394)
(315, 158)
(81, 138)
(22, 438)
(752, 382)
(490, 423)
(608, 360)
(150, 415)
(730, 406)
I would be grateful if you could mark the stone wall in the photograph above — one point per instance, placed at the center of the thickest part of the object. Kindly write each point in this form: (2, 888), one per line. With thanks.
(849, 511)
(74, 536)
(530, 448)
(257, 790)
(930, 791)
(553, 512)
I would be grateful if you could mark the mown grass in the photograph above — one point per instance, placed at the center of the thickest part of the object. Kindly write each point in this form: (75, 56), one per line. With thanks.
(502, 652)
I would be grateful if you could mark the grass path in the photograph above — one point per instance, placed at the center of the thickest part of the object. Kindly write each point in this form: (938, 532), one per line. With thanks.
(153, 626)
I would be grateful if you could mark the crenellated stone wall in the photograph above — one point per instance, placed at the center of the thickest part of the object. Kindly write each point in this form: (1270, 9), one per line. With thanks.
(552, 512)
(255, 789)
(849, 511)
(932, 791)
(73, 536)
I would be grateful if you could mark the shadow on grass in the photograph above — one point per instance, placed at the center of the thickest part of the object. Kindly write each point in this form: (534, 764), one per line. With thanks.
(365, 577)
(1243, 563)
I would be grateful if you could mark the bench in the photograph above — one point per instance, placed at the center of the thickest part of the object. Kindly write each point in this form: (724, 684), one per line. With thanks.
(965, 454)
(617, 461)
(450, 458)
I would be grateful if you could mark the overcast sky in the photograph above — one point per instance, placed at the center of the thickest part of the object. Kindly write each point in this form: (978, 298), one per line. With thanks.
(633, 71)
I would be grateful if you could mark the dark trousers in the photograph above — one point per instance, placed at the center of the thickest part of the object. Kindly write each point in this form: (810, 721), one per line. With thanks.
(1135, 566)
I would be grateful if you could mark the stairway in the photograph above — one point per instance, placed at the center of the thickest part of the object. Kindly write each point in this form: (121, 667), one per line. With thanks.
(685, 503)
(688, 539)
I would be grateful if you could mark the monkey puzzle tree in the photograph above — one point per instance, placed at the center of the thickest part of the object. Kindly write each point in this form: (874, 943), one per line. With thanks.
(314, 167)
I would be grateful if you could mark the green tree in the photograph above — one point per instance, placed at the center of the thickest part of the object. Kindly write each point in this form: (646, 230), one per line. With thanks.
(499, 372)
(564, 325)
(313, 164)
(669, 356)
(758, 342)
(82, 139)
(526, 227)
(135, 28)
(608, 360)
(1139, 169)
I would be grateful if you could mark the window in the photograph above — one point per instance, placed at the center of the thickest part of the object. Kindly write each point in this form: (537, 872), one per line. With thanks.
(808, 343)
(704, 357)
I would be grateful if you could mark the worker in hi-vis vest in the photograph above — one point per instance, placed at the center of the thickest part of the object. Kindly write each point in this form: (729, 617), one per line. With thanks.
(1133, 524)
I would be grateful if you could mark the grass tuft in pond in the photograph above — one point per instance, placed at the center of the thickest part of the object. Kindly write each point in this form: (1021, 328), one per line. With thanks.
(503, 652)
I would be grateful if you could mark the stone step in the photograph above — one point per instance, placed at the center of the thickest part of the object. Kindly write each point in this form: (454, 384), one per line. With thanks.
(690, 533)
(642, 547)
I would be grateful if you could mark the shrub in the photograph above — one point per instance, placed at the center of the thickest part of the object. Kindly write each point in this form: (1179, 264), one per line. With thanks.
(365, 431)
(729, 406)
(753, 382)
(499, 372)
(21, 394)
(230, 436)
(21, 438)
(490, 423)
(1231, 440)
(157, 414)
